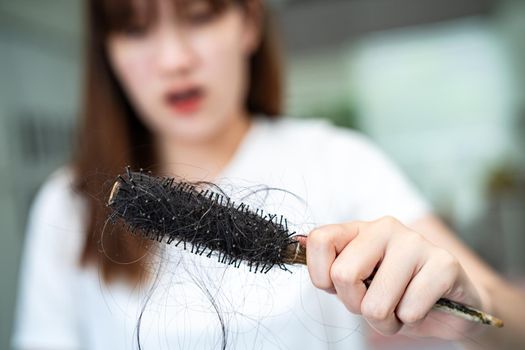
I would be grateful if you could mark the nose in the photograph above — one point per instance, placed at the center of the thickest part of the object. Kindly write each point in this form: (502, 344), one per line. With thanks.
(175, 54)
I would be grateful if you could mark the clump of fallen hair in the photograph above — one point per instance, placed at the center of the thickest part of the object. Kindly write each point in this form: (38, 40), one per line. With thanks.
(166, 210)
(204, 221)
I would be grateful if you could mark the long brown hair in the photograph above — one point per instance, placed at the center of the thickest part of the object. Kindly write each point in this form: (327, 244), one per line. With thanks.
(111, 136)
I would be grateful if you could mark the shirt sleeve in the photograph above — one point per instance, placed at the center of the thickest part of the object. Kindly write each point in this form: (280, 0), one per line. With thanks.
(45, 313)
(373, 186)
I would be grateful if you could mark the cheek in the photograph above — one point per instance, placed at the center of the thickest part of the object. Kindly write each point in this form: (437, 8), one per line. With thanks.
(224, 66)
(133, 67)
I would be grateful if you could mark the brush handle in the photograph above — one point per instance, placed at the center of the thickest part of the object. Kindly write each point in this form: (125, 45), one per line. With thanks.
(297, 254)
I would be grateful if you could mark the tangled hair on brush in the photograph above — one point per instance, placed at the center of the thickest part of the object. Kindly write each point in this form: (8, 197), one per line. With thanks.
(205, 221)
(208, 222)
(201, 218)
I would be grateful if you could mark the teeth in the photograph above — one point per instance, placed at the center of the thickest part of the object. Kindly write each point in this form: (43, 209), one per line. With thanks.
(184, 95)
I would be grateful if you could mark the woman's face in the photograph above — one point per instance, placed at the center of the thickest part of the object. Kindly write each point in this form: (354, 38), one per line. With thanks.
(185, 74)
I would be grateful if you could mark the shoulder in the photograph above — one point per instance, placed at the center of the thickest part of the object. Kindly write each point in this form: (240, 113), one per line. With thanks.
(57, 213)
(322, 140)
(57, 197)
(303, 127)
(57, 188)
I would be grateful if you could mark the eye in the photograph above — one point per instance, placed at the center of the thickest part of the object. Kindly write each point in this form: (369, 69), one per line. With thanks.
(198, 12)
(135, 30)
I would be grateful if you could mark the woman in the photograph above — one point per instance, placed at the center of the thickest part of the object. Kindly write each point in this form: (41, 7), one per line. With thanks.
(192, 89)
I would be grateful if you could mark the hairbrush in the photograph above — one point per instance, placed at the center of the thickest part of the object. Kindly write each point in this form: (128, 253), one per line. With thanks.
(208, 222)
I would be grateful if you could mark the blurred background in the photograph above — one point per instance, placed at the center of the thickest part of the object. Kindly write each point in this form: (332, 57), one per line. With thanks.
(439, 85)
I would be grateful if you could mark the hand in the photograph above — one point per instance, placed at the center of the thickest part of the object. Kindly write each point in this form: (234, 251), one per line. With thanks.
(412, 274)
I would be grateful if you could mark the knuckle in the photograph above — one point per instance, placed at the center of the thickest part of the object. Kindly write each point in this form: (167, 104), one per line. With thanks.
(341, 275)
(449, 262)
(410, 316)
(389, 329)
(354, 308)
(450, 269)
(386, 225)
(374, 311)
(389, 221)
(318, 237)
(321, 283)
(316, 234)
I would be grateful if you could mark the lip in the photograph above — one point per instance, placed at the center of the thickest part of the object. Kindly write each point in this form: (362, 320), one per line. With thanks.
(184, 101)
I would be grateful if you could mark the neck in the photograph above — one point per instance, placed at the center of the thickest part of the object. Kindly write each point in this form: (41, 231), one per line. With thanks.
(205, 160)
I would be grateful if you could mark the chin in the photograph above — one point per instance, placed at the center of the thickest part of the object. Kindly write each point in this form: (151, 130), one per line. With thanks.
(196, 128)
(196, 133)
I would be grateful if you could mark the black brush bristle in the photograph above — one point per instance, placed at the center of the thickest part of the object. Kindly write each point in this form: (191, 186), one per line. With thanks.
(202, 220)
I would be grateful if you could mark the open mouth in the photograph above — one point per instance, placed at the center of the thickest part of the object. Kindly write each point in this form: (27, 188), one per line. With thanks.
(185, 101)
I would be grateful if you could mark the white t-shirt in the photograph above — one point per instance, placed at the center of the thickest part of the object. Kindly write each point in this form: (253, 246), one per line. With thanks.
(326, 175)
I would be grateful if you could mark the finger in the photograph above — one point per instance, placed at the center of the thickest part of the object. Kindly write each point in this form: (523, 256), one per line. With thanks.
(403, 257)
(435, 278)
(322, 246)
(354, 264)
